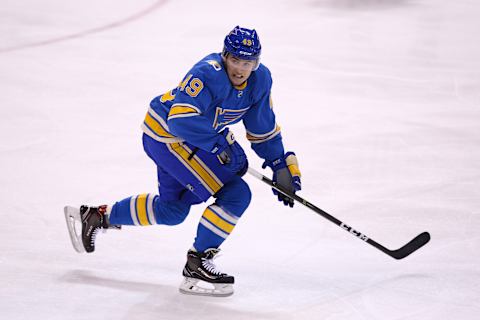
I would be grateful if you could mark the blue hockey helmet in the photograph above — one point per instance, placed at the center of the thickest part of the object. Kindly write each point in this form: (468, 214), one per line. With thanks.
(242, 43)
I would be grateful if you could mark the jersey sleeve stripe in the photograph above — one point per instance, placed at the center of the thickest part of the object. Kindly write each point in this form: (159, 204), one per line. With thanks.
(259, 138)
(182, 110)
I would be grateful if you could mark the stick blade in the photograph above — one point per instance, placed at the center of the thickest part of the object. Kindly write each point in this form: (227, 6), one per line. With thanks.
(415, 244)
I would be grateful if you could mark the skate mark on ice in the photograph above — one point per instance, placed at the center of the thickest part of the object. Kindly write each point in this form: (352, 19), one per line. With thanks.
(88, 32)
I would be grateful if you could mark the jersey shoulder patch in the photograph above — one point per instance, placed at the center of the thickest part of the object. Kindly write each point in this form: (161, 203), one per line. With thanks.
(211, 71)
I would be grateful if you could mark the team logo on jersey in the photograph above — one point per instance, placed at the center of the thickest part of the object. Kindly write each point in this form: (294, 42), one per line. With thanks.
(215, 65)
(227, 116)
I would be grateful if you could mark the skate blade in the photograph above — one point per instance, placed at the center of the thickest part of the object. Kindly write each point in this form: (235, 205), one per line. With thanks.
(74, 225)
(191, 286)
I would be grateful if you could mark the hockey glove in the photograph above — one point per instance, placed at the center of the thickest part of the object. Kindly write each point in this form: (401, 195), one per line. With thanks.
(286, 175)
(230, 153)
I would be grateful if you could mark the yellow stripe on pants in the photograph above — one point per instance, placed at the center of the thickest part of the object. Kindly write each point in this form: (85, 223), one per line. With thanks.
(196, 168)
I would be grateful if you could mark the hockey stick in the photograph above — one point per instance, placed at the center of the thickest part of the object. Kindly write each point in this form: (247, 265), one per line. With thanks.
(415, 244)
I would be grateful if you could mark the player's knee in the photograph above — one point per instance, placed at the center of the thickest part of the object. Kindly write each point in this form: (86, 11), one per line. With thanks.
(171, 212)
(235, 196)
(190, 198)
(244, 195)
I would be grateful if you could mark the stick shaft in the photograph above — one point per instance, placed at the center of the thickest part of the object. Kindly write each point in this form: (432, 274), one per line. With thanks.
(401, 253)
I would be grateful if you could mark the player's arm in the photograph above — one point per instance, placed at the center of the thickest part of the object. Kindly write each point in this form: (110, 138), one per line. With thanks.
(266, 139)
(262, 130)
(185, 118)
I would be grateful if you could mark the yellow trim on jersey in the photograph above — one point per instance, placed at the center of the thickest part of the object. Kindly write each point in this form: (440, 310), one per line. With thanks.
(215, 64)
(242, 86)
(182, 110)
(197, 167)
(217, 221)
(153, 135)
(142, 209)
(156, 127)
(167, 96)
(253, 138)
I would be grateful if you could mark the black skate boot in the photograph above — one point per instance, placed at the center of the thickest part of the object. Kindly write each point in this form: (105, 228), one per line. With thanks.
(200, 267)
(92, 220)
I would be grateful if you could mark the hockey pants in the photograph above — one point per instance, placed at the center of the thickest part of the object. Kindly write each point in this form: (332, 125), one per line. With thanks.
(187, 176)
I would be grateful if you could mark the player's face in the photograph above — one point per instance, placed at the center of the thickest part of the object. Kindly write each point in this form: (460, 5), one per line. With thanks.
(238, 70)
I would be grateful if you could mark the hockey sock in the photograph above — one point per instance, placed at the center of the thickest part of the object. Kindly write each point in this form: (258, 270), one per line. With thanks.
(136, 210)
(215, 226)
(148, 209)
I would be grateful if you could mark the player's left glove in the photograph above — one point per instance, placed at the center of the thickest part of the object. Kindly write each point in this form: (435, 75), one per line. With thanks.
(230, 153)
(287, 175)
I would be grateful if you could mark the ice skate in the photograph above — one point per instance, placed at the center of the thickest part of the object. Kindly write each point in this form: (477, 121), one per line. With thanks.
(83, 225)
(202, 276)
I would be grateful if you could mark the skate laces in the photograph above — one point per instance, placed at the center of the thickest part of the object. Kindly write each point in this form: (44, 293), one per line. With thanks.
(94, 235)
(210, 266)
(207, 261)
(95, 231)
(92, 213)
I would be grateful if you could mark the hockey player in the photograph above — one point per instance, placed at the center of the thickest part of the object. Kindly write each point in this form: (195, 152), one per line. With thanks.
(197, 158)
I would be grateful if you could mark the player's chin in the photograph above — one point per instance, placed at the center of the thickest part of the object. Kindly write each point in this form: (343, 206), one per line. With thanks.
(237, 81)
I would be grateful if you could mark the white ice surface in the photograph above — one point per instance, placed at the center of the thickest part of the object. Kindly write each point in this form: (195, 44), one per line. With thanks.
(380, 99)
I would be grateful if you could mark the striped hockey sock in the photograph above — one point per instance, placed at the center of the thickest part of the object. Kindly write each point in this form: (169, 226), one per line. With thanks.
(136, 210)
(214, 227)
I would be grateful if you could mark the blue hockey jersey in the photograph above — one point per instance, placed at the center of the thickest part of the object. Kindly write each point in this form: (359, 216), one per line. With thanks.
(206, 101)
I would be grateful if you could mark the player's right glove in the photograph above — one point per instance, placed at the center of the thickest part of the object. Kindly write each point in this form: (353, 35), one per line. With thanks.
(230, 153)
(286, 175)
